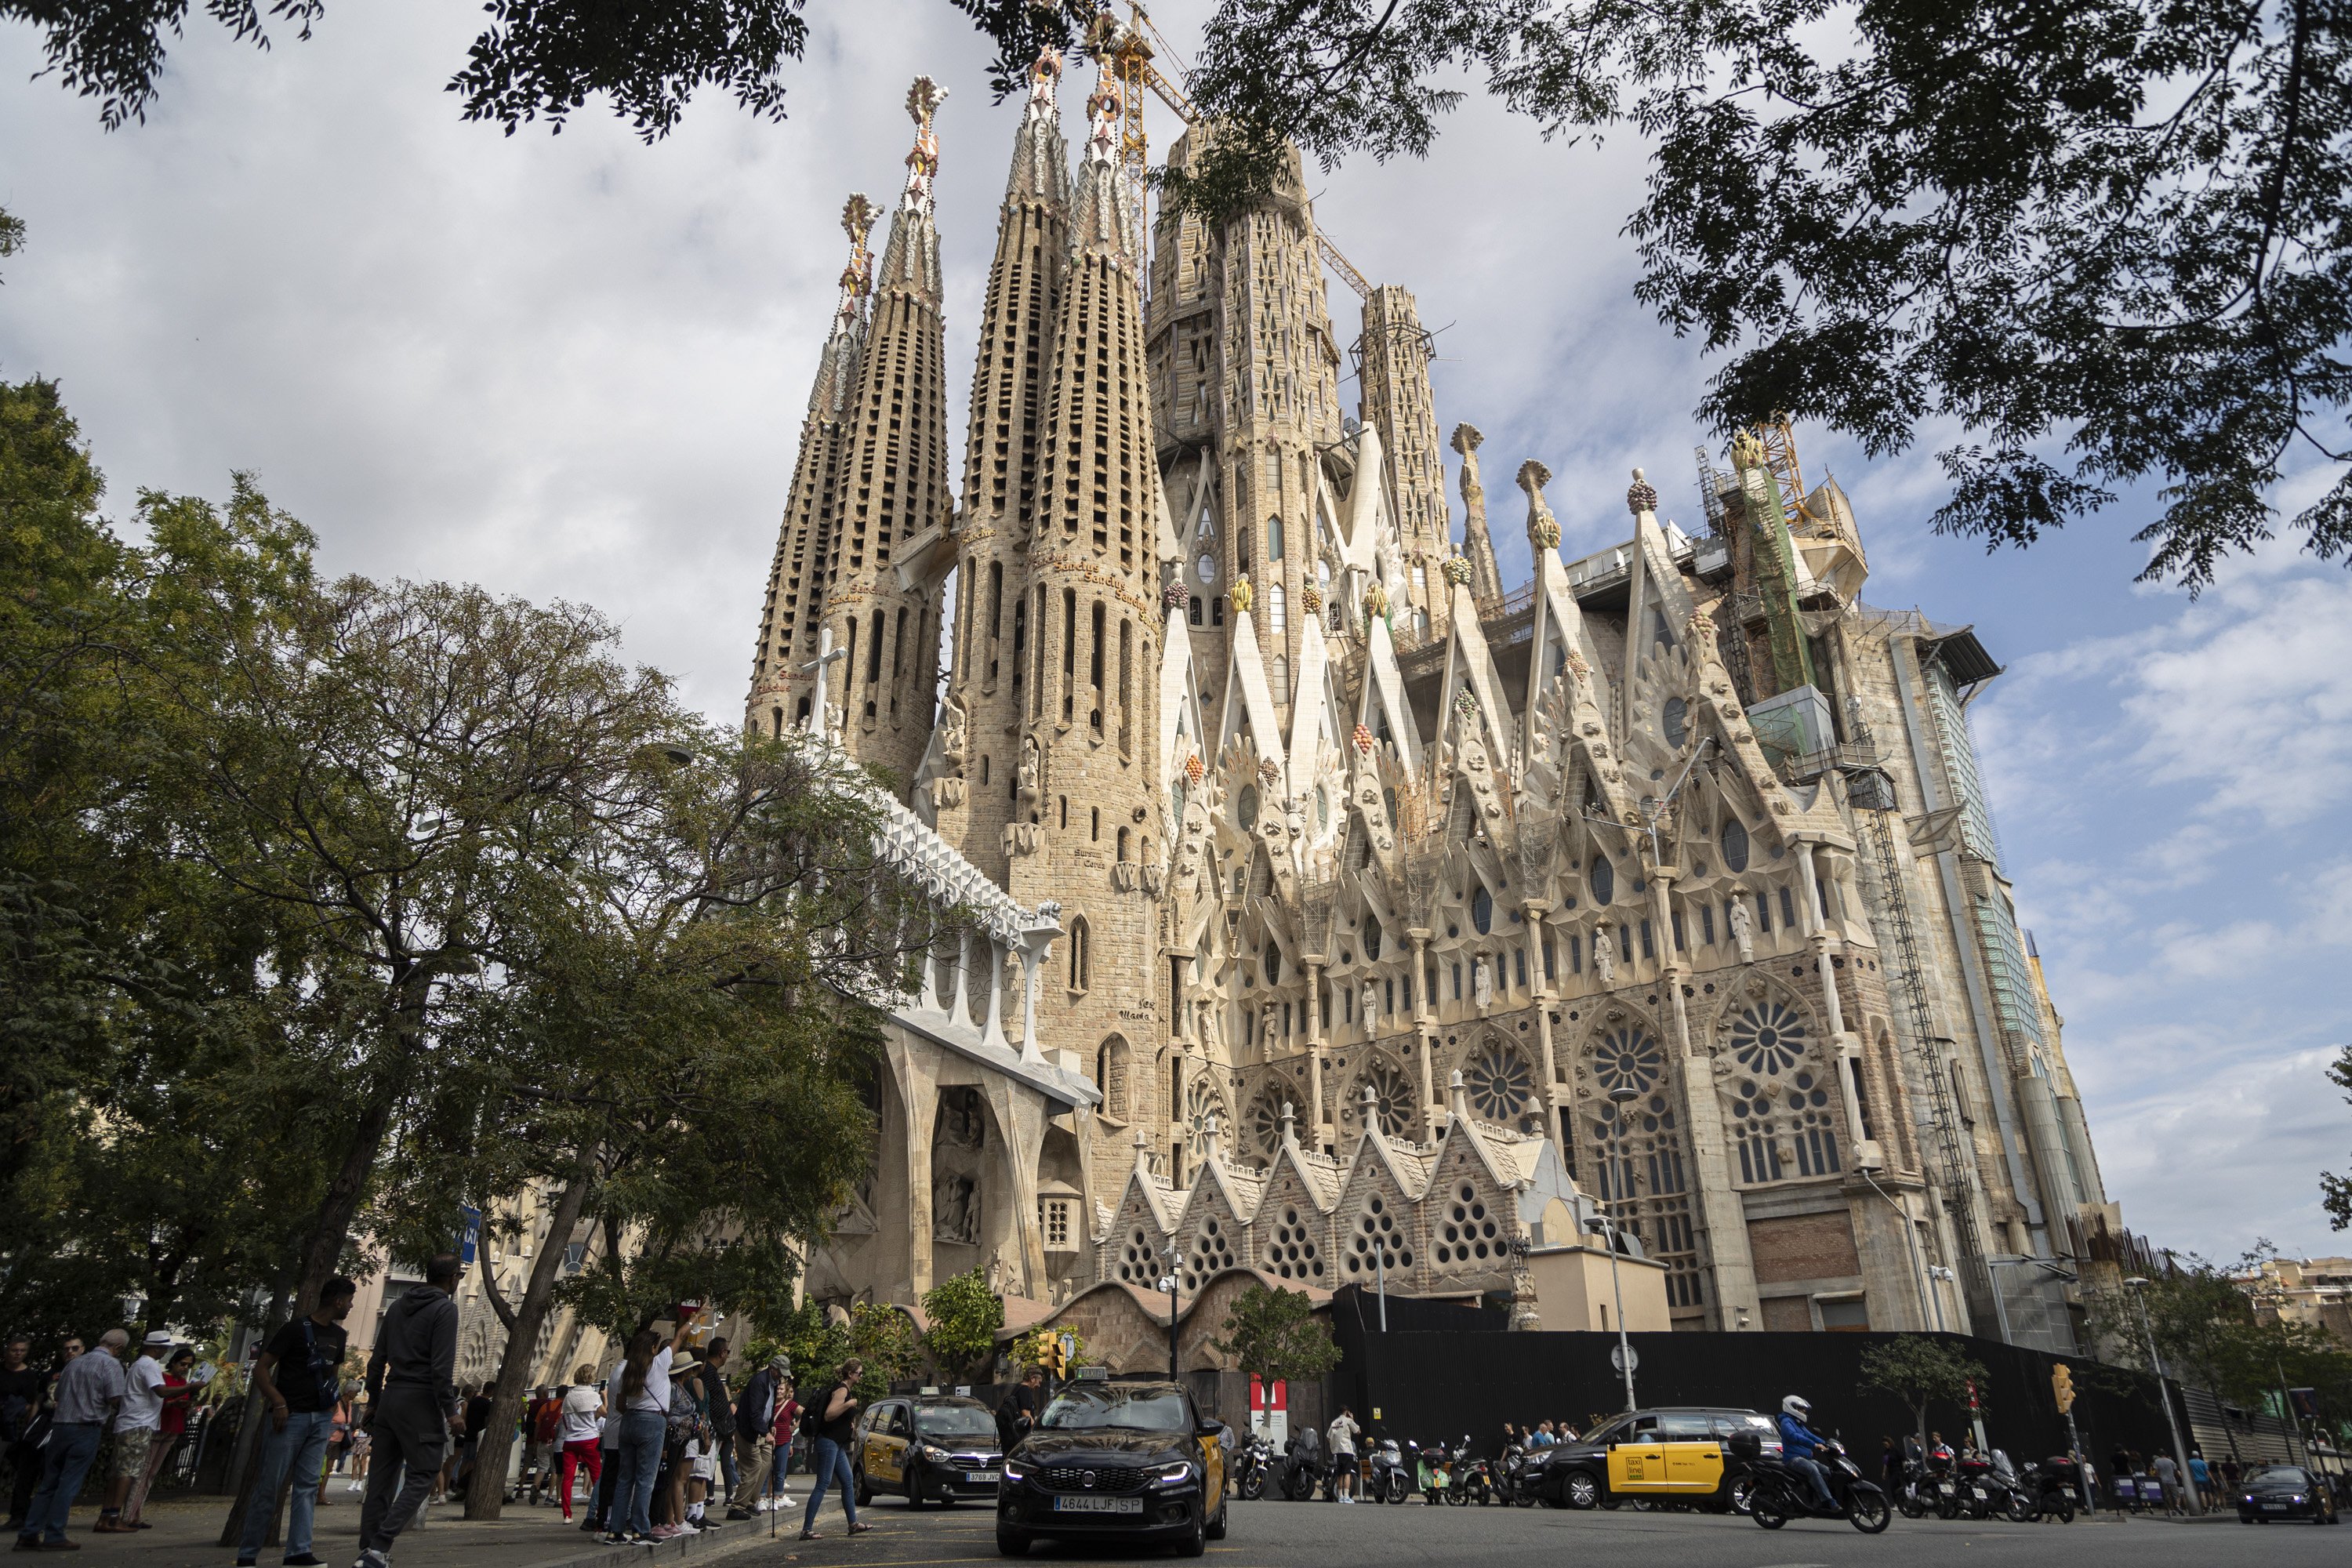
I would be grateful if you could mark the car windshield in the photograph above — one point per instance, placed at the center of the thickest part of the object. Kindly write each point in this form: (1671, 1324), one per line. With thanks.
(954, 1421)
(2276, 1476)
(1148, 1409)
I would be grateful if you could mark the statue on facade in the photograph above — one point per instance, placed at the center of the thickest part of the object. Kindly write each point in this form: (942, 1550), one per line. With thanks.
(1266, 1030)
(955, 728)
(1604, 963)
(1032, 780)
(1743, 925)
(1481, 983)
(1369, 1000)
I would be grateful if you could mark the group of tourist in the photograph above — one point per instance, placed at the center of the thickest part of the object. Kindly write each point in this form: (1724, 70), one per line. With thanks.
(1543, 1435)
(55, 1421)
(662, 1439)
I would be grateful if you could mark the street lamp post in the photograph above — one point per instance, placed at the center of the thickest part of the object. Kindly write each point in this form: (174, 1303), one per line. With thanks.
(1624, 1094)
(2137, 1286)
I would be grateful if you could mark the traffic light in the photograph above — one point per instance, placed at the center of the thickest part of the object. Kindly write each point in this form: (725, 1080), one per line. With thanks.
(2062, 1383)
(1058, 1357)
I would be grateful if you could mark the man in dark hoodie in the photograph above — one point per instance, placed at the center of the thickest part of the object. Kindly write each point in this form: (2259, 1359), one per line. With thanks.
(412, 1406)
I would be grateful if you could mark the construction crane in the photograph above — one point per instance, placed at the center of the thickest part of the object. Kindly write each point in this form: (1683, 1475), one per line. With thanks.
(1130, 51)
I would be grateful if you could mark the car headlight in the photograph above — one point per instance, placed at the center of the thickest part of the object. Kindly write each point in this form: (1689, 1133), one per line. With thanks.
(1015, 1470)
(936, 1455)
(2298, 1497)
(1171, 1474)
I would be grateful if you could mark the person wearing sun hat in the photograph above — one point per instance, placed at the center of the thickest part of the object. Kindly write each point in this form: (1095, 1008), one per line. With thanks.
(135, 1427)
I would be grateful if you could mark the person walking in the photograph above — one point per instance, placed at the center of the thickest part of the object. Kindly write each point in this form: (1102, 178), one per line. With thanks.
(1019, 1410)
(2167, 1476)
(412, 1400)
(755, 1419)
(644, 1429)
(1342, 1434)
(296, 1377)
(89, 1391)
(576, 1435)
(837, 1419)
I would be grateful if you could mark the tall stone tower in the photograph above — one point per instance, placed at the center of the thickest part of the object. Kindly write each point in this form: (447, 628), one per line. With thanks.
(1246, 374)
(994, 624)
(894, 484)
(1086, 823)
(1393, 357)
(780, 685)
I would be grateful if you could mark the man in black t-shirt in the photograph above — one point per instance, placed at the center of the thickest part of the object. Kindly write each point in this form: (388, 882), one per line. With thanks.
(297, 1378)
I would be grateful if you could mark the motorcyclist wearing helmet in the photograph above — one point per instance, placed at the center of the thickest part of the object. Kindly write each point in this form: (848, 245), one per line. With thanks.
(1798, 1441)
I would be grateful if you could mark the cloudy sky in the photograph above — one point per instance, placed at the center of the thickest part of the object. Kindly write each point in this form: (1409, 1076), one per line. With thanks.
(574, 366)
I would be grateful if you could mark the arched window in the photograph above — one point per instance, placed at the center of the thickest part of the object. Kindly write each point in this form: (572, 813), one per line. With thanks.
(1734, 844)
(1281, 667)
(1277, 609)
(1122, 845)
(1676, 721)
(1110, 1075)
(1078, 957)
(1274, 539)
(1482, 909)
(1195, 611)
(1604, 881)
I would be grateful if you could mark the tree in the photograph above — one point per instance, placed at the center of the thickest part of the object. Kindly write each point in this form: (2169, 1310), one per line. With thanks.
(538, 59)
(964, 1315)
(2335, 1192)
(1274, 1336)
(1920, 1372)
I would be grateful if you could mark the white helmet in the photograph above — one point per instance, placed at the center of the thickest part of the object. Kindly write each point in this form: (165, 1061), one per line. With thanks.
(1796, 1404)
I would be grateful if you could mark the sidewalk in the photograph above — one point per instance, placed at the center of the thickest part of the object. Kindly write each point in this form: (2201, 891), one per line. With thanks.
(523, 1537)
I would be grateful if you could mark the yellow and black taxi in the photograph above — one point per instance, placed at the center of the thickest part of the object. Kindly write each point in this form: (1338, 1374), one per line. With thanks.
(1681, 1451)
(2285, 1492)
(1132, 1459)
(928, 1448)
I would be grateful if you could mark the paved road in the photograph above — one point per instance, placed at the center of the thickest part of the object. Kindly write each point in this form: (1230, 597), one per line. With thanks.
(1309, 1535)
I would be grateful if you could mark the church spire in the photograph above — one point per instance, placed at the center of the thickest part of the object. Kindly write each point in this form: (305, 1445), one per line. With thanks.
(1102, 216)
(894, 482)
(797, 577)
(970, 797)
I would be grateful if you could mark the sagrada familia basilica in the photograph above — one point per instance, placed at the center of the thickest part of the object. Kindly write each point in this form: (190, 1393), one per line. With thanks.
(1343, 911)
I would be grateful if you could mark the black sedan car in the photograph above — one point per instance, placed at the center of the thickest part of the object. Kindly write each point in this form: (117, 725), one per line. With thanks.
(1134, 1461)
(2283, 1491)
(927, 1447)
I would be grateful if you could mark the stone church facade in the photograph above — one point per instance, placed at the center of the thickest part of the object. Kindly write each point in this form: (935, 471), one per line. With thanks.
(1352, 904)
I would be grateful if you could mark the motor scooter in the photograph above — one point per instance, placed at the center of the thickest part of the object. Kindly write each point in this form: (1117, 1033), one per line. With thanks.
(1387, 1472)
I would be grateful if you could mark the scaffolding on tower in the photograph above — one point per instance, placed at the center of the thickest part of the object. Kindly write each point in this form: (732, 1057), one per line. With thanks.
(1130, 48)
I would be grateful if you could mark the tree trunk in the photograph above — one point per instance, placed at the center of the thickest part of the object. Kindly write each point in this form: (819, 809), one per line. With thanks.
(252, 1428)
(322, 1247)
(486, 1491)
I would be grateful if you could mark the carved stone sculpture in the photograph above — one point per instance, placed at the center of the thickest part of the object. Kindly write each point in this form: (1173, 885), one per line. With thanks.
(1604, 963)
(1743, 925)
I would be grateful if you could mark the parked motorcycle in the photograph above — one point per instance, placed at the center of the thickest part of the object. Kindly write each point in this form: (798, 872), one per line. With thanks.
(1915, 1493)
(1386, 1476)
(1474, 1479)
(1305, 1469)
(1514, 1475)
(2053, 1485)
(1438, 1465)
(1251, 1465)
(1781, 1494)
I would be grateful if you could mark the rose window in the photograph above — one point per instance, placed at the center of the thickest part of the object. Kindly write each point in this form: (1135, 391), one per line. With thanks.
(1378, 1243)
(1767, 1038)
(1292, 1253)
(1264, 1122)
(1212, 1251)
(1500, 1082)
(1392, 1094)
(1628, 1057)
(1467, 1231)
